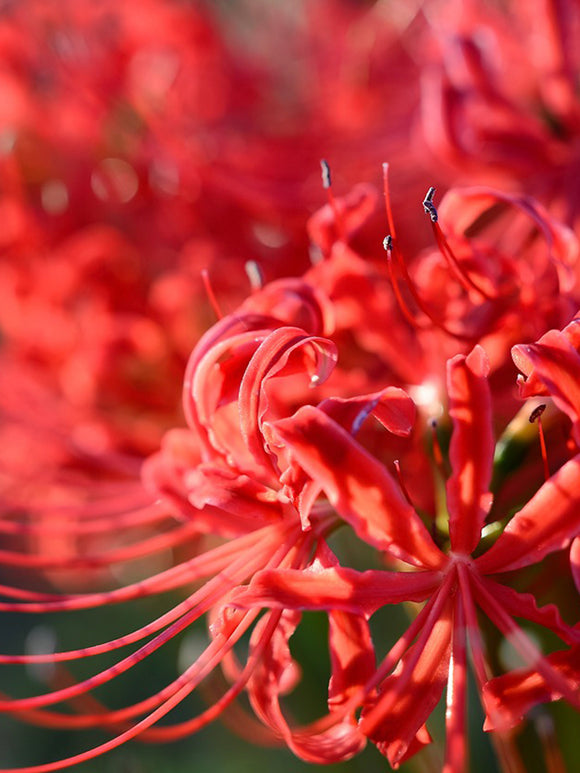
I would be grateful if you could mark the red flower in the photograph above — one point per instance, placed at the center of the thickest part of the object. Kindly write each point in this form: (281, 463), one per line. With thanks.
(453, 584)
(221, 479)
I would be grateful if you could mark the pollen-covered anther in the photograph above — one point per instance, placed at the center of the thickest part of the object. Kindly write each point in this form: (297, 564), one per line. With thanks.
(428, 206)
(326, 178)
(537, 412)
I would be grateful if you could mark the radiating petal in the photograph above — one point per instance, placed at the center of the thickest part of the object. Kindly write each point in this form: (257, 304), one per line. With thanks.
(524, 605)
(548, 522)
(471, 450)
(511, 696)
(336, 588)
(410, 694)
(352, 656)
(358, 486)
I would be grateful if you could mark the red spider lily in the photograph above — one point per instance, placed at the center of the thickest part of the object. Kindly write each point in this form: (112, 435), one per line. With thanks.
(220, 478)
(401, 694)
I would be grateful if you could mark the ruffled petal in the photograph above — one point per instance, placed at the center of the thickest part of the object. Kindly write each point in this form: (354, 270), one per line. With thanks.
(358, 486)
(524, 605)
(553, 367)
(351, 211)
(270, 358)
(548, 522)
(337, 588)
(322, 742)
(391, 406)
(395, 718)
(508, 698)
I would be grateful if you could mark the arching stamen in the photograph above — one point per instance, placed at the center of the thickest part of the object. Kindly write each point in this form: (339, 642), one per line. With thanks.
(255, 275)
(210, 293)
(437, 451)
(390, 246)
(387, 193)
(445, 248)
(327, 185)
(536, 415)
(397, 466)
(545, 729)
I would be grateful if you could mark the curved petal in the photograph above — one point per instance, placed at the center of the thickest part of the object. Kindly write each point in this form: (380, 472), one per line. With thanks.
(318, 743)
(358, 486)
(395, 718)
(524, 605)
(330, 224)
(471, 450)
(548, 522)
(511, 696)
(553, 367)
(337, 588)
(268, 360)
(352, 656)
(391, 406)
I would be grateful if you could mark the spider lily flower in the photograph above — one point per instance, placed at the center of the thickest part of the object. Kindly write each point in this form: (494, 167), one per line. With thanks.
(219, 480)
(407, 684)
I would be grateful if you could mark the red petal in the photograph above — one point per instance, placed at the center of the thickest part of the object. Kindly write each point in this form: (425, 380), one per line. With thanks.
(358, 486)
(471, 450)
(411, 693)
(554, 364)
(352, 656)
(548, 522)
(314, 743)
(269, 359)
(575, 561)
(337, 588)
(354, 210)
(511, 696)
(524, 605)
(391, 406)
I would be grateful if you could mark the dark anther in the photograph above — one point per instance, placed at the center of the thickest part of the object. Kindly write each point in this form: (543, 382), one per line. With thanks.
(537, 412)
(429, 207)
(326, 181)
(388, 242)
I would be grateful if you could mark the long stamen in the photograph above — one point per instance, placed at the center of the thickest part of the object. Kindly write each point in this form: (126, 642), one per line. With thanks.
(388, 245)
(530, 653)
(210, 293)
(445, 248)
(397, 466)
(536, 416)
(327, 185)
(392, 250)
(255, 275)
(456, 710)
